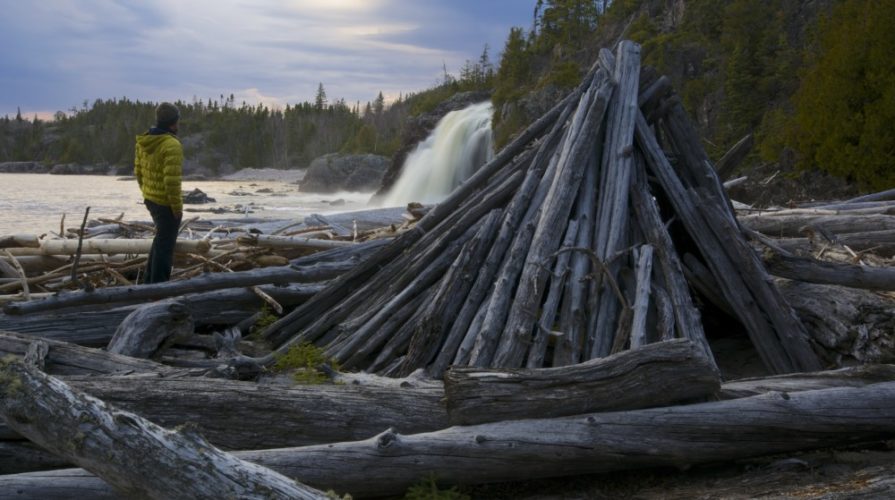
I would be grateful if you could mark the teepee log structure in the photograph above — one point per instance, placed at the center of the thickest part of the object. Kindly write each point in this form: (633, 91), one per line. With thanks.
(566, 247)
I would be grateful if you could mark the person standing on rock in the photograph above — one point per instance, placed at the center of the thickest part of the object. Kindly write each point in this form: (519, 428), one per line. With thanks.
(158, 166)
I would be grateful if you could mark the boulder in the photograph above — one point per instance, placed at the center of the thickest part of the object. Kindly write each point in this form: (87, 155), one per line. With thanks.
(196, 197)
(75, 169)
(340, 172)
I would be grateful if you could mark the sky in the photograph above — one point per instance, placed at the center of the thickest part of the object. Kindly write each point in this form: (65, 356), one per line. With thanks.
(60, 53)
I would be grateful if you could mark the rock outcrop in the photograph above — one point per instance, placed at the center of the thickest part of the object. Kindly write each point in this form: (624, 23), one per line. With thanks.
(23, 167)
(340, 172)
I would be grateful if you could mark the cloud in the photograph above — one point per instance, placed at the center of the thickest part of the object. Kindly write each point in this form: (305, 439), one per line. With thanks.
(63, 52)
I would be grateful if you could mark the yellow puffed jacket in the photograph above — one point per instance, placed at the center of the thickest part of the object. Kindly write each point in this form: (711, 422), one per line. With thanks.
(158, 166)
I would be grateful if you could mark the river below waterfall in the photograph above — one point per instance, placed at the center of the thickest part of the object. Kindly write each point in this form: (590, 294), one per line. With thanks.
(35, 203)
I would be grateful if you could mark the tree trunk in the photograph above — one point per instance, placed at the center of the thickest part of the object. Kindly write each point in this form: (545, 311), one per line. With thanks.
(204, 283)
(143, 331)
(506, 451)
(795, 226)
(95, 328)
(64, 358)
(830, 273)
(773, 328)
(858, 376)
(675, 370)
(98, 246)
(522, 318)
(138, 458)
(266, 416)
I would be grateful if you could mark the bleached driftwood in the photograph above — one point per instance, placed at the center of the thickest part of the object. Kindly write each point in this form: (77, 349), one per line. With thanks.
(661, 437)
(96, 326)
(207, 282)
(114, 246)
(63, 358)
(19, 241)
(653, 375)
(143, 331)
(136, 457)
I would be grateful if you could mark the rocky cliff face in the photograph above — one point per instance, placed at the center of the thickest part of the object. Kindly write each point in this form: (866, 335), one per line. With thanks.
(339, 172)
(417, 128)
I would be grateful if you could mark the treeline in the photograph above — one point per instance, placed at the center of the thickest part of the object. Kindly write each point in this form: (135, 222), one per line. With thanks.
(213, 132)
(814, 81)
(221, 133)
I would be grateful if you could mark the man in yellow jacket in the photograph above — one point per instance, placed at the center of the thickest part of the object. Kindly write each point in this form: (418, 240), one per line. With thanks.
(158, 166)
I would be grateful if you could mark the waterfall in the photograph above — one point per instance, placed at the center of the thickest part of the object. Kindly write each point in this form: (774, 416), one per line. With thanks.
(460, 144)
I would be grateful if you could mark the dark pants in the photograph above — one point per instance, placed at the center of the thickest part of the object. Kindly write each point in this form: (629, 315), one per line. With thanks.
(161, 255)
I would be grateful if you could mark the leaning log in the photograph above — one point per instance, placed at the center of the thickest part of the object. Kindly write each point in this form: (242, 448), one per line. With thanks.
(773, 327)
(136, 457)
(676, 371)
(678, 436)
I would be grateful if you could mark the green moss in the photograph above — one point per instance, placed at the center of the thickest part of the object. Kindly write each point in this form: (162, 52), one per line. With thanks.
(304, 359)
(332, 495)
(428, 489)
(266, 319)
(10, 383)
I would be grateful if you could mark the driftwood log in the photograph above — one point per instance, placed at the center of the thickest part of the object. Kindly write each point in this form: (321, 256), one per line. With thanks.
(850, 324)
(858, 376)
(95, 326)
(788, 225)
(101, 246)
(63, 358)
(208, 282)
(661, 437)
(830, 273)
(653, 375)
(136, 457)
(262, 416)
(143, 331)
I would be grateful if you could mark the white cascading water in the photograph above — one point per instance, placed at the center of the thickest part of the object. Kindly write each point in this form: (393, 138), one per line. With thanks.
(459, 145)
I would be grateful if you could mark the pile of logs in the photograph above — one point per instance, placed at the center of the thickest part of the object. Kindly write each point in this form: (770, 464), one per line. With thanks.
(110, 252)
(569, 246)
(549, 318)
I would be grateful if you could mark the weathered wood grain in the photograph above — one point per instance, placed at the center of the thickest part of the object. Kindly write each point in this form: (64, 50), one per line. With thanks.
(678, 436)
(136, 457)
(653, 375)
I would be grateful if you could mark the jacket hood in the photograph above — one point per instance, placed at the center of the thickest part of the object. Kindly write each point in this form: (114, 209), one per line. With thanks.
(150, 142)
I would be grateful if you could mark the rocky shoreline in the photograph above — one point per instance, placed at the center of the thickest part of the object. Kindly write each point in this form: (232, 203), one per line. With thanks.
(328, 174)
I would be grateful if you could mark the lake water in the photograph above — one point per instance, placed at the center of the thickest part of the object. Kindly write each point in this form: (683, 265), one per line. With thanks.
(35, 203)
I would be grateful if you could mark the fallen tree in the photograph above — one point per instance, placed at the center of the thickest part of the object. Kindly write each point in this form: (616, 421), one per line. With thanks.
(94, 326)
(677, 369)
(136, 457)
(678, 436)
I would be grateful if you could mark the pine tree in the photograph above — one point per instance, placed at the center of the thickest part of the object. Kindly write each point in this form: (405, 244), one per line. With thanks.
(320, 98)
(845, 105)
